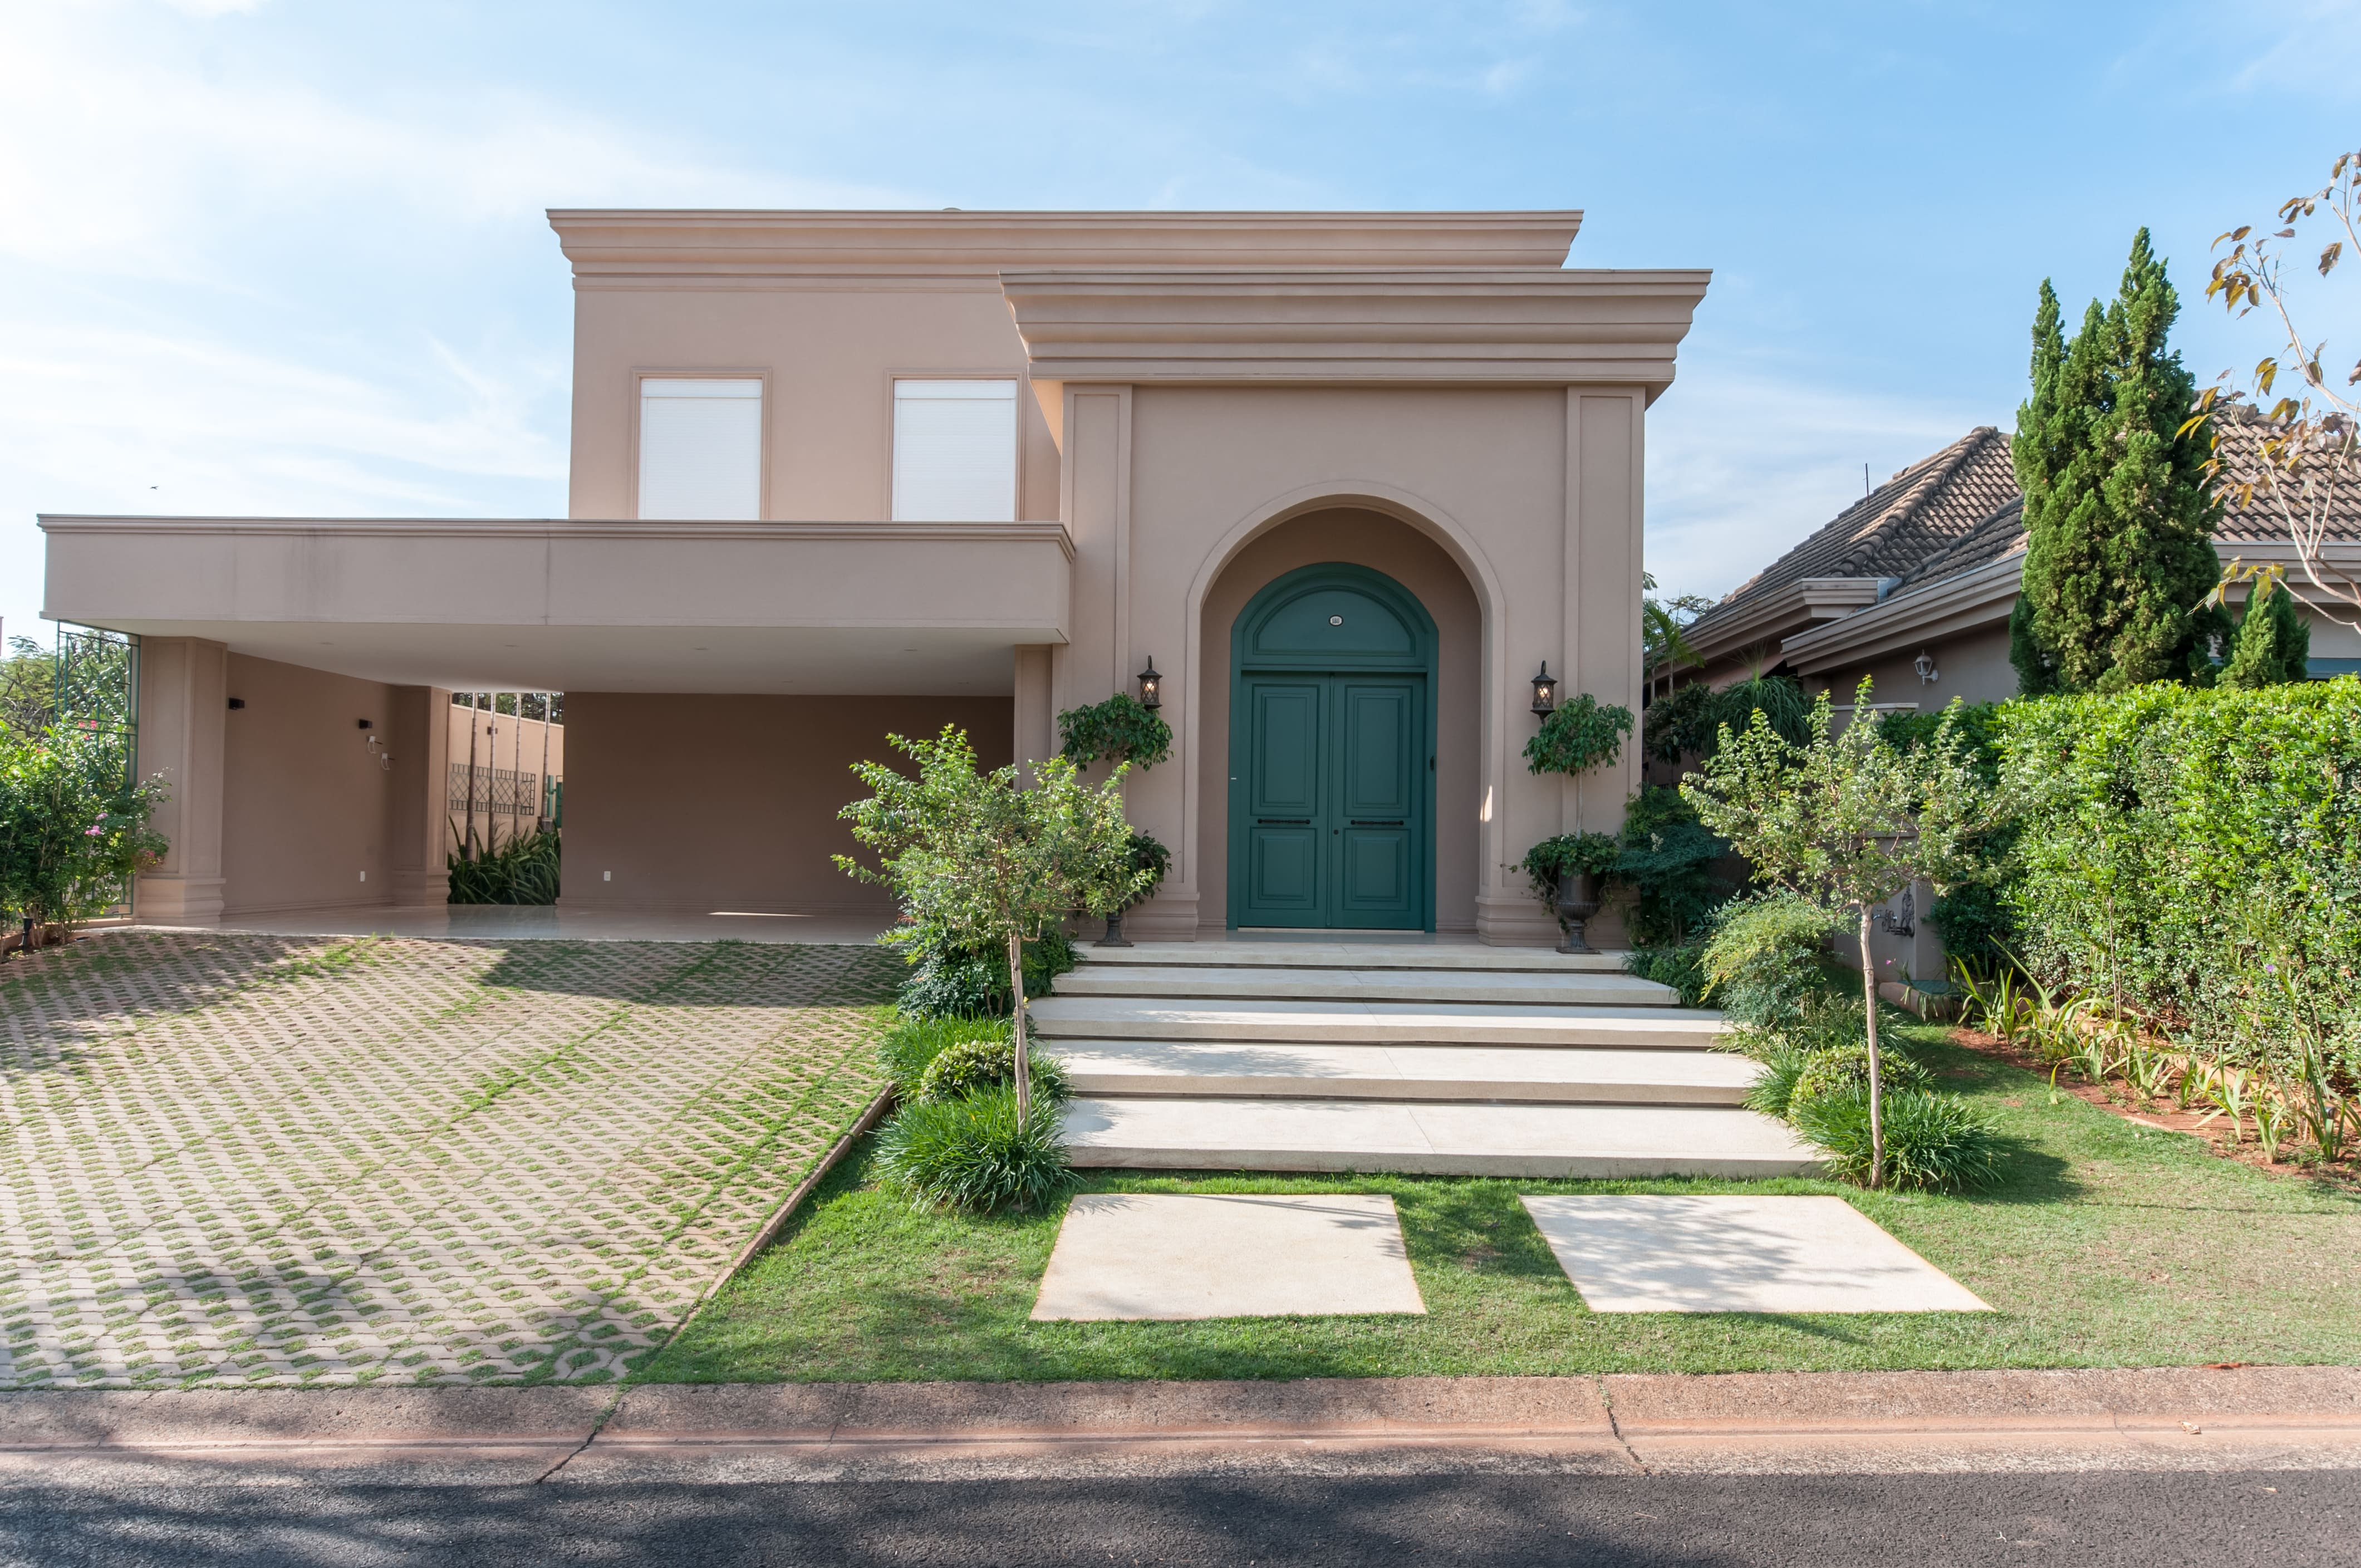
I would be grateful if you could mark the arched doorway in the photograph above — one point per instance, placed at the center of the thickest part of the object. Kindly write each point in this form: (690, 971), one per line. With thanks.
(1332, 754)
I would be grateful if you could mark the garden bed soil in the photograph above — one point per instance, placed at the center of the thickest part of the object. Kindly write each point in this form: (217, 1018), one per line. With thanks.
(2111, 1097)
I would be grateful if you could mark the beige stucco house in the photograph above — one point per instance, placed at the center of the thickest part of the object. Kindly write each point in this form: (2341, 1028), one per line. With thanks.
(1345, 479)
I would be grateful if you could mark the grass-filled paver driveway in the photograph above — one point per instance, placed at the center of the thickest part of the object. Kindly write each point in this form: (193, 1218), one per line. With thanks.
(240, 1161)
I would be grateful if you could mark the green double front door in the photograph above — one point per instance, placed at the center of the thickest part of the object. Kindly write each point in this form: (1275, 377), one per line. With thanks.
(1334, 829)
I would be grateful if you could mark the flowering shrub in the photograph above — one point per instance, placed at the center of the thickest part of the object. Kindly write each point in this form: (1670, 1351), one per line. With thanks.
(74, 825)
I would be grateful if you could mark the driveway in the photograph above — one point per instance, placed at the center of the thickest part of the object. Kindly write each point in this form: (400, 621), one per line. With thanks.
(258, 1160)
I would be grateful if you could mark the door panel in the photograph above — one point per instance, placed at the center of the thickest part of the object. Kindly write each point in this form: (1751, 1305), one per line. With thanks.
(1285, 824)
(1377, 829)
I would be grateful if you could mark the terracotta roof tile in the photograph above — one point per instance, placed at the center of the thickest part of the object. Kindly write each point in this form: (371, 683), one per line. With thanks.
(1923, 509)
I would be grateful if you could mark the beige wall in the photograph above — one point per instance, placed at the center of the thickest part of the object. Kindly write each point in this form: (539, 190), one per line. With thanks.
(306, 807)
(1417, 563)
(1531, 495)
(1974, 667)
(829, 357)
(705, 802)
(508, 744)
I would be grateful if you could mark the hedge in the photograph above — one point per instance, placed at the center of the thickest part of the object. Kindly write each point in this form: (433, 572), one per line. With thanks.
(2195, 855)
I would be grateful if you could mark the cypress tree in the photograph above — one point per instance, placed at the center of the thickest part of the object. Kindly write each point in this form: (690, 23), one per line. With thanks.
(2118, 515)
(2273, 644)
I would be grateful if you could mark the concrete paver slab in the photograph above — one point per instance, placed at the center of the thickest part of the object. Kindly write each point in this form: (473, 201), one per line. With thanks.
(1169, 1257)
(1667, 1254)
(1567, 1074)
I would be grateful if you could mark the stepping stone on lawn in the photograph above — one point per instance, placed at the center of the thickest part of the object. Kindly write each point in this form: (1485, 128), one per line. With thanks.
(1168, 1256)
(1738, 1255)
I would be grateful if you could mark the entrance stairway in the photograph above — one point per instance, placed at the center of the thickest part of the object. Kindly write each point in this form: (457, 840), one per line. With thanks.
(1396, 1056)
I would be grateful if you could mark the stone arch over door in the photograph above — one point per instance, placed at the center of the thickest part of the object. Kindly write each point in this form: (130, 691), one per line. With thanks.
(1428, 579)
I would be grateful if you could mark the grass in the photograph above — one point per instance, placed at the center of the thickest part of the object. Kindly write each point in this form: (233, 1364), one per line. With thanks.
(2106, 1245)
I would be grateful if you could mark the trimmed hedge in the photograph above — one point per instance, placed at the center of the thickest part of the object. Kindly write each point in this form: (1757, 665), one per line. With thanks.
(2197, 855)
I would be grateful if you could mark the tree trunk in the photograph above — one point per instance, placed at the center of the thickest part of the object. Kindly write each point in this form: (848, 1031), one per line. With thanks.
(1876, 1076)
(1017, 1024)
(468, 847)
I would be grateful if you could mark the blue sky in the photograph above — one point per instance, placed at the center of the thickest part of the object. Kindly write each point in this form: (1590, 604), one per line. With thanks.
(287, 256)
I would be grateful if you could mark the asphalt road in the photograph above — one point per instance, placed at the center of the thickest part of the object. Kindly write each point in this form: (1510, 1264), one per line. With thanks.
(2092, 1520)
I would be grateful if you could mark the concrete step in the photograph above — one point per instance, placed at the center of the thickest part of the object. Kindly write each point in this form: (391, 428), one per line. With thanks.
(1239, 1069)
(1574, 989)
(1431, 1139)
(1373, 1023)
(1372, 954)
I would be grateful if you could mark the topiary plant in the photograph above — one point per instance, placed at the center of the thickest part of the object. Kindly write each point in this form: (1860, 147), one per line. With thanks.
(988, 1062)
(1122, 728)
(912, 1042)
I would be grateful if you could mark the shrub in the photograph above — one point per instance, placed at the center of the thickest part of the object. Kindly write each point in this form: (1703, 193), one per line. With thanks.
(1579, 734)
(1667, 857)
(963, 1066)
(1773, 1093)
(1681, 967)
(73, 824)
(1762, 958)
(1122, 728)
(951, 981)
(1936, 1142)
(977, 1153)
(1833, 1070)
(2178, 849)
(522, 871)
(911, 1044)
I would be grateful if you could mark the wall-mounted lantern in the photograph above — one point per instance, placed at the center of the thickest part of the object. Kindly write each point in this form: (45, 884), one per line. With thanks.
(1151, 686)
(1925, 665)
(1544, 691)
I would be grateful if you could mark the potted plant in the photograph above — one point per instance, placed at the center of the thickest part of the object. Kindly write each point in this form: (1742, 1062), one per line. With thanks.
(1148, 859)
(1565, 872)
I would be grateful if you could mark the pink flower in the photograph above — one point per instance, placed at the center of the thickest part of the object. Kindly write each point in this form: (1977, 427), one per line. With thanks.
(90, 832)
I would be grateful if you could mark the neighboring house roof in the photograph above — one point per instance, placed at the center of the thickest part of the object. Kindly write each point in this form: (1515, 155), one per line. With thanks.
(1922, 510)
(1948, 522)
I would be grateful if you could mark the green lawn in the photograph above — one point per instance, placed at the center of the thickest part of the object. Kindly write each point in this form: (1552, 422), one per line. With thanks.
(2112, 1246)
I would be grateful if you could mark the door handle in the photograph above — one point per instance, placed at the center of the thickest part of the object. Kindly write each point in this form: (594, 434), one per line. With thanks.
(1282, 822)
(1392, 822)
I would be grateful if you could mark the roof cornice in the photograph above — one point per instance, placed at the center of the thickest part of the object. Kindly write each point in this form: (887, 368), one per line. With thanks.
(1972, 600)
(1531, 325)
(1772, 614)
(626, 248)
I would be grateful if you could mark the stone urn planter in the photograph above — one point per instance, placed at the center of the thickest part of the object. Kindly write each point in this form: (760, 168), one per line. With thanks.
(1577, 902)
(1114, 936)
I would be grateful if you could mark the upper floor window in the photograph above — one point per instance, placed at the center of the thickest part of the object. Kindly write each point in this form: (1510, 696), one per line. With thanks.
(701, 447)
(955, 451)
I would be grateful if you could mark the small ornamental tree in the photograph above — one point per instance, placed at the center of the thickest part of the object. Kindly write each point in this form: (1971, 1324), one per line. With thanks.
(2272, 646)
(981, 860)
(1847, 822)
(73, 827)
(1122, 728)
(1579, 735)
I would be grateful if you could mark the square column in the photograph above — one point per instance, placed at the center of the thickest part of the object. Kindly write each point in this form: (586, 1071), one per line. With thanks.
(419, 736)
(183, 705)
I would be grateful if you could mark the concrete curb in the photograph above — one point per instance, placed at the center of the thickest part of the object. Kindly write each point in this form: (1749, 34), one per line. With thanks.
(2164, 1418)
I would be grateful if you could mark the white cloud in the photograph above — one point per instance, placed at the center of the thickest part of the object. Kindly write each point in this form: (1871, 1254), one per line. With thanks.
(1743, 464)
(120, 157)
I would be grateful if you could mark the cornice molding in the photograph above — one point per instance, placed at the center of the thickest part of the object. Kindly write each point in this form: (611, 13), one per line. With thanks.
(1973, 600)
(607, 246)
(1531, 325)
(1771, 616)
(565, 530)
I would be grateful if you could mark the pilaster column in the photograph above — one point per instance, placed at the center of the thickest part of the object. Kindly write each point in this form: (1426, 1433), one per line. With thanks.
(184, 706)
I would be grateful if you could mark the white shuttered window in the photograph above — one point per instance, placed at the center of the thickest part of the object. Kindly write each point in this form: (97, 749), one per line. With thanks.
(955, 451)
(701, 448)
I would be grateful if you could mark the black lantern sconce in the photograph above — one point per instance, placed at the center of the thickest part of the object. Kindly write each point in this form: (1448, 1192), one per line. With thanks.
(1544, 691)
(1151, 686)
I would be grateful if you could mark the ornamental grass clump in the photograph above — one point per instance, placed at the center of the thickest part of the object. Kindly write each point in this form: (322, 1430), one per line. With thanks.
(978, 1153)
(910, 1045)
(1931, 1142)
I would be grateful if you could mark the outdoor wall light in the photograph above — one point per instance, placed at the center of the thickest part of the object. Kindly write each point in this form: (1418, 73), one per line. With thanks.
(1151, 686)
(1544, 691)
(1925, 665)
